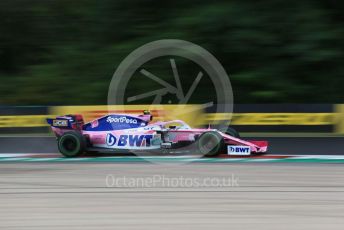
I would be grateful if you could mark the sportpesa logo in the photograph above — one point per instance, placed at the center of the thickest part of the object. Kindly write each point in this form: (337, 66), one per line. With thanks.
(129, 140)
(121, 120)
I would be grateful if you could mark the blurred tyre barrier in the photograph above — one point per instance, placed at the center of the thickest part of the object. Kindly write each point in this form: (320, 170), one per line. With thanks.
(275, 118)
(246, 118)
(23, 119)
(276, 121)
(339, 118)
(279, 117)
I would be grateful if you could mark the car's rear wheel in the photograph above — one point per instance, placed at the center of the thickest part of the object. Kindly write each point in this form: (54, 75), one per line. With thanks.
(210, 144)
(71, 144)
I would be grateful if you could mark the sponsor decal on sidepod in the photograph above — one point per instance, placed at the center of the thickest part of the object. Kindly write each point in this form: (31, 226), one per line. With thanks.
(129, 140)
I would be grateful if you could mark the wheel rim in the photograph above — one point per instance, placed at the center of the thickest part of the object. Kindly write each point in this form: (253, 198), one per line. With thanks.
(69, 145)
(209, 144)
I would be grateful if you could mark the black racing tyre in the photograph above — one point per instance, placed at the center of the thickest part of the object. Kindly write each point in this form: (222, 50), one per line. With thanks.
(71, 144)
(210, 144)
(230, 131)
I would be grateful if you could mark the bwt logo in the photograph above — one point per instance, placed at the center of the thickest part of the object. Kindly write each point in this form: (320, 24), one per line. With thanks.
(110, 139)
(129, 140)
(239, 150)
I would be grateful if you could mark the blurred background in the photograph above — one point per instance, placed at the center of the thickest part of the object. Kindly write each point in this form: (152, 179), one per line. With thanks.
(282, 56)
(275, 51)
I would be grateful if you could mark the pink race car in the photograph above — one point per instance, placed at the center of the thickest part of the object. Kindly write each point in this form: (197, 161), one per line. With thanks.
(125, 132)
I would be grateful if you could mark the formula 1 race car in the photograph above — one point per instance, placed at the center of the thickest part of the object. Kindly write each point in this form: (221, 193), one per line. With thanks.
(125, 132)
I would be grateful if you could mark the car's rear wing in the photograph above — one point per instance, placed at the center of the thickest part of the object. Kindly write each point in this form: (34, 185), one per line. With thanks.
(67, 122)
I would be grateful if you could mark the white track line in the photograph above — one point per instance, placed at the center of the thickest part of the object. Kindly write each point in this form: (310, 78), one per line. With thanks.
(5, 155)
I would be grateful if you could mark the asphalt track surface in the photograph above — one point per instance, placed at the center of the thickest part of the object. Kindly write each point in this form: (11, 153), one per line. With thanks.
(263, 196)
(122, 195)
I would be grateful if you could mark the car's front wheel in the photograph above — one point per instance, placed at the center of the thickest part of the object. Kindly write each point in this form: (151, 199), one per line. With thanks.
(210, 144)
(71, 144)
